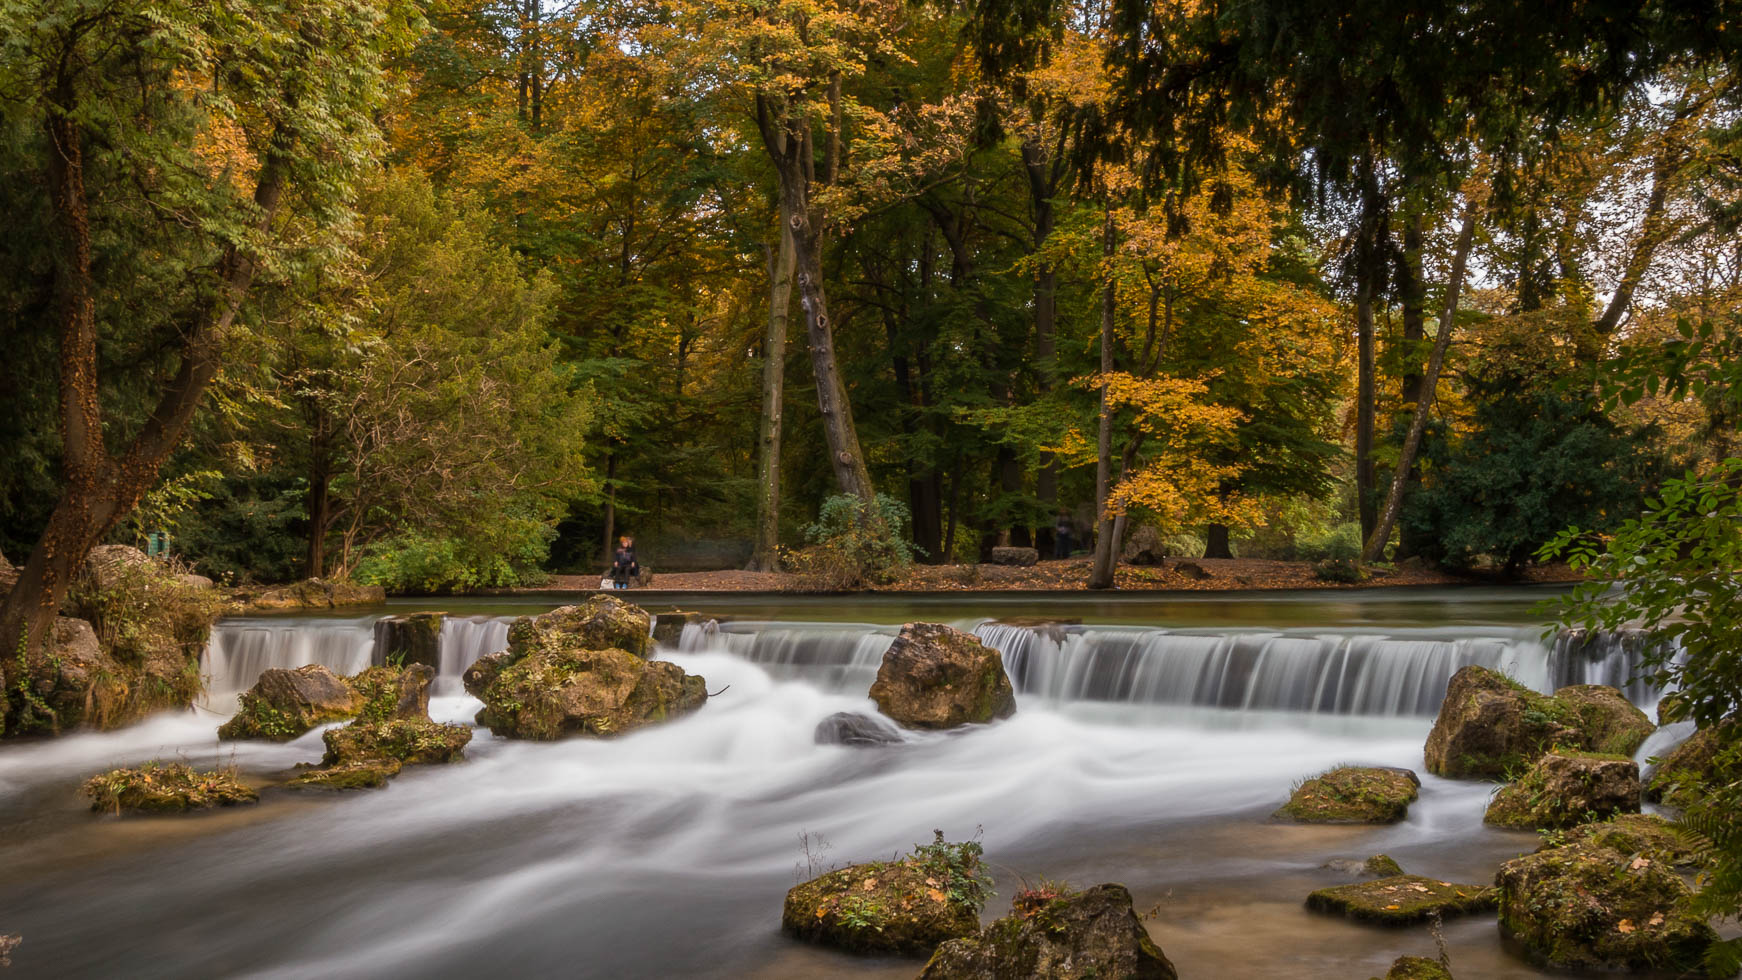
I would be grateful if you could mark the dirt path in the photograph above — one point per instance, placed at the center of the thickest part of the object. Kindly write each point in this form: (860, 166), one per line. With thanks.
(1197, 574)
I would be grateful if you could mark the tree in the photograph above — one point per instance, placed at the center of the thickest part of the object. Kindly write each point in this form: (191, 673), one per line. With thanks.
(215, 145)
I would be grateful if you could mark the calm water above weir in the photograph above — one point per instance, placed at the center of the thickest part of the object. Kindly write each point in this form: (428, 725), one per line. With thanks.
(1153, 738)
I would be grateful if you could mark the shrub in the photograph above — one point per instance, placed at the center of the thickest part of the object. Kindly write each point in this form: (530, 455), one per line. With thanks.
(416, 562)
(846, 549)
(1340, 543)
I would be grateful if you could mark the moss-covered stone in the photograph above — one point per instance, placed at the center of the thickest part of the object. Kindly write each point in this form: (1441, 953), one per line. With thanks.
(561, 691)
(1566, 788)
(1401, 899)
(407, 740)
(359, 774)
(1634, 834)
(1590, 907)
(1681, 778)
(283, 704)
(1377, 866)
(904, 907)
(128, 646)
(603, 622)
(159, 787)
(313, 593)
(934, 676)
(1491, 727)
(1058, 934)
(1606, 720)
(484, 670)
(413, 639)
(1353, 794)
(1417, 968)
(668, 627)
(386, 693)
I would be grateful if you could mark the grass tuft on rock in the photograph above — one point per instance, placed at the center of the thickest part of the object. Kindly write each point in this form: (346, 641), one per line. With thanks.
(160, 787)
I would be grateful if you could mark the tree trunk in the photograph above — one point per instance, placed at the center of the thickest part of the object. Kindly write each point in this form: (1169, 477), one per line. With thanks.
(100, 489)
(319, 519)
(1412, 442)
(1413, 293)
(788, 142)
(1041, 184)
(765, 556)
(1364, 395)
(1216, 542)
(610, 507)
(1106, 548)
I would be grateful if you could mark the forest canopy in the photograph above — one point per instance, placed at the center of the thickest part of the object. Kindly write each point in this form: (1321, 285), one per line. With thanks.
(449, 295)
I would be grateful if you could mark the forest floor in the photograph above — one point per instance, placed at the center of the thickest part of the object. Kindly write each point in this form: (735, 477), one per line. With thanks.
(1072, 574)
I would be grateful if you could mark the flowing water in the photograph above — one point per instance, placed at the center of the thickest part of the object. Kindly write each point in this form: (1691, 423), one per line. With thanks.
(1151, 743)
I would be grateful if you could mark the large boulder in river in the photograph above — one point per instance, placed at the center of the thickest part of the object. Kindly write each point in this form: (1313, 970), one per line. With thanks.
(283, 704)
(387, 693)
(1635, 834)
(1491, 726)
(562, 690)
(1606, 720)
(1353, 794)
(906, 907)
(1566, 788)
(603, 622)
(1058, 934)
(1588, 907)
(934, 676)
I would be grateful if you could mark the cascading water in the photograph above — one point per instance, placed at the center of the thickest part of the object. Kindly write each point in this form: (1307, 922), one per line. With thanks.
(240, 649)
(462, 641)
(1402, 673)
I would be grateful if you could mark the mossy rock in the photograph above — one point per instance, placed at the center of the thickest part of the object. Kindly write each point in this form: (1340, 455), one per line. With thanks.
(1590, 907)
(413, 639)
(934, 676)
(1417, 968)
(407, 740)
(158, 787)
(1401, 900)
(313, 593)
(386, 693)
(359, 774)
(1634, 834)
(1566, 788)
(668, 627)
(1681, 778)
(892, 907)
(283, 704)
(603, 622)
(1606, 720)
(1490, 725)
(1377, 866)
(127, 647)
(1061, 935)
(1353, 794)
(559, 691)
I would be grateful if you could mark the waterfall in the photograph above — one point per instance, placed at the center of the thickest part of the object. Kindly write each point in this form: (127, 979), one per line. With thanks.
(241, 649)
(462, 641)
(1401, 673)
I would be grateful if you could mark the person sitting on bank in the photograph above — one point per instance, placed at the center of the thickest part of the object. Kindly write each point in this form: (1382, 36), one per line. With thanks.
(624, 568)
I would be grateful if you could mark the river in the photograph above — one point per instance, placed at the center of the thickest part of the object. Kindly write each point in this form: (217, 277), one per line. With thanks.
(1153, 738)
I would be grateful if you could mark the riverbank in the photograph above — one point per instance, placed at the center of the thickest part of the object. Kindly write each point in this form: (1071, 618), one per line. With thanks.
(1072, 574)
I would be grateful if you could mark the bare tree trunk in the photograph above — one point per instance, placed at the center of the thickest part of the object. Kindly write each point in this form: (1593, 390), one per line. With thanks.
(789, 145)
(1216, 542)
(1106, 548)
(765, 556)
(1364, 395)
(1042, 181)
(1412, 443)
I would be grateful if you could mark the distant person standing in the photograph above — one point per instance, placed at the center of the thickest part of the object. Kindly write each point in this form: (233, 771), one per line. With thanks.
(1061, 537)
(623, 564)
